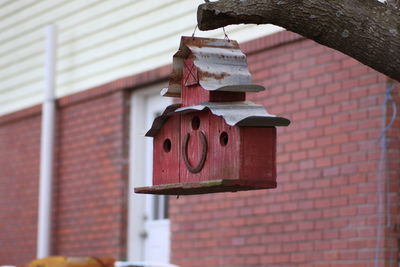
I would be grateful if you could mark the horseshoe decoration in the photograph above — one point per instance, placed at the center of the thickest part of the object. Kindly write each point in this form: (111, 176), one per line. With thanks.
(199, 166)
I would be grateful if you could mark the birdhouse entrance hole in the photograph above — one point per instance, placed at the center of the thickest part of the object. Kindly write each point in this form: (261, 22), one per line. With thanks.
(195, 123)
(223, 139)
(167, 145)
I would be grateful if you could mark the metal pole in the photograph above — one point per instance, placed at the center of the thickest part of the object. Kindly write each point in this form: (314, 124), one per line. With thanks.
(46, 150)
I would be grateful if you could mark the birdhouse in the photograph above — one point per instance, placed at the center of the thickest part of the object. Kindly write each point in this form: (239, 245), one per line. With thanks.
(215, 140)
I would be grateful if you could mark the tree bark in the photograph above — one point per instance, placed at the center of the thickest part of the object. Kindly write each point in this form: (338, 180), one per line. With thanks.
(393, 3)
(366, 30)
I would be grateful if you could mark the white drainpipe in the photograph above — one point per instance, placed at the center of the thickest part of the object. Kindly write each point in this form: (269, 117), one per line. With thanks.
(46, 149)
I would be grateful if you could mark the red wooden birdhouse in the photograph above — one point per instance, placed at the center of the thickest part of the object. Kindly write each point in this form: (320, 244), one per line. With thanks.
(215, 141)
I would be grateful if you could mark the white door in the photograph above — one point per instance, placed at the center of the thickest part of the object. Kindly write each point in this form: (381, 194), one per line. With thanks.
(157, 233)
(148, 223)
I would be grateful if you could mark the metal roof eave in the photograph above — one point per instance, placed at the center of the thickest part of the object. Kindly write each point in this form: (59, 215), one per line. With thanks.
(241, 113)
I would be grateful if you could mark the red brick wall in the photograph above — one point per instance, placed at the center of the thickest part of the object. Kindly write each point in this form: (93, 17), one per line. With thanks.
(89, 216)
(19, 172)
(92, 176)
(323, 212)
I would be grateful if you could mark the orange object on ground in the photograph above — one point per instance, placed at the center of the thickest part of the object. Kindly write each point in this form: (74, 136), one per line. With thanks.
(58, 261)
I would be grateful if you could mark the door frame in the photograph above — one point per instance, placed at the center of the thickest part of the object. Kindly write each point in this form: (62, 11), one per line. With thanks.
(137, 174)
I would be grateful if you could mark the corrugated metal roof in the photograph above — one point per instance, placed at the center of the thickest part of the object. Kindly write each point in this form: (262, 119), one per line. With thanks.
(162, 119)
(243, 114)
(221, 65)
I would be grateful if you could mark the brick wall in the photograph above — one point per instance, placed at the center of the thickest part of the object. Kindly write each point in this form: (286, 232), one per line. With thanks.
(91, 177)
(89, 215)
(91, 174)
(323, 212)
(19, 172)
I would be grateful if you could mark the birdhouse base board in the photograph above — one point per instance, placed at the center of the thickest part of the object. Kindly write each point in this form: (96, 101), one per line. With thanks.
(205, 187)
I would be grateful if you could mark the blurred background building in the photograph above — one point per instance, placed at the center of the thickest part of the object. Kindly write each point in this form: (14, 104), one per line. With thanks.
(338, 162)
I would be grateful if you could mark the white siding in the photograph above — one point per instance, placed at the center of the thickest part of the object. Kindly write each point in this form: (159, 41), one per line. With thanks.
(99, 41)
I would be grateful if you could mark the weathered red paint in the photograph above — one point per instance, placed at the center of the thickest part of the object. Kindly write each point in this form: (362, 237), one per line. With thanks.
(190, 75)
(193, 93)
(226, 158)
(233, 153)
(197, 151)
(258, 153)
(166, 161)
(189, 124)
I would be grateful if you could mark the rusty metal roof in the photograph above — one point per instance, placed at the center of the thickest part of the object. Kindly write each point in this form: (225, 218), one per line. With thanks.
(220, 63)
(162, 119)
(242, 113)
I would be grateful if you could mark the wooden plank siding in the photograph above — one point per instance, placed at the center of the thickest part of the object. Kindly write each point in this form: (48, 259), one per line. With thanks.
(98, 41)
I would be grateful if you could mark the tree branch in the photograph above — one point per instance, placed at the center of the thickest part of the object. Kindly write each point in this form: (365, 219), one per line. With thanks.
(366, 30)
(393, 3)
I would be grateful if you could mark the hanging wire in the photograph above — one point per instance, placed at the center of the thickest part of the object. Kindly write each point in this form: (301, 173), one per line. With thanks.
(383, 186)
(194, 31)
(226, 36)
